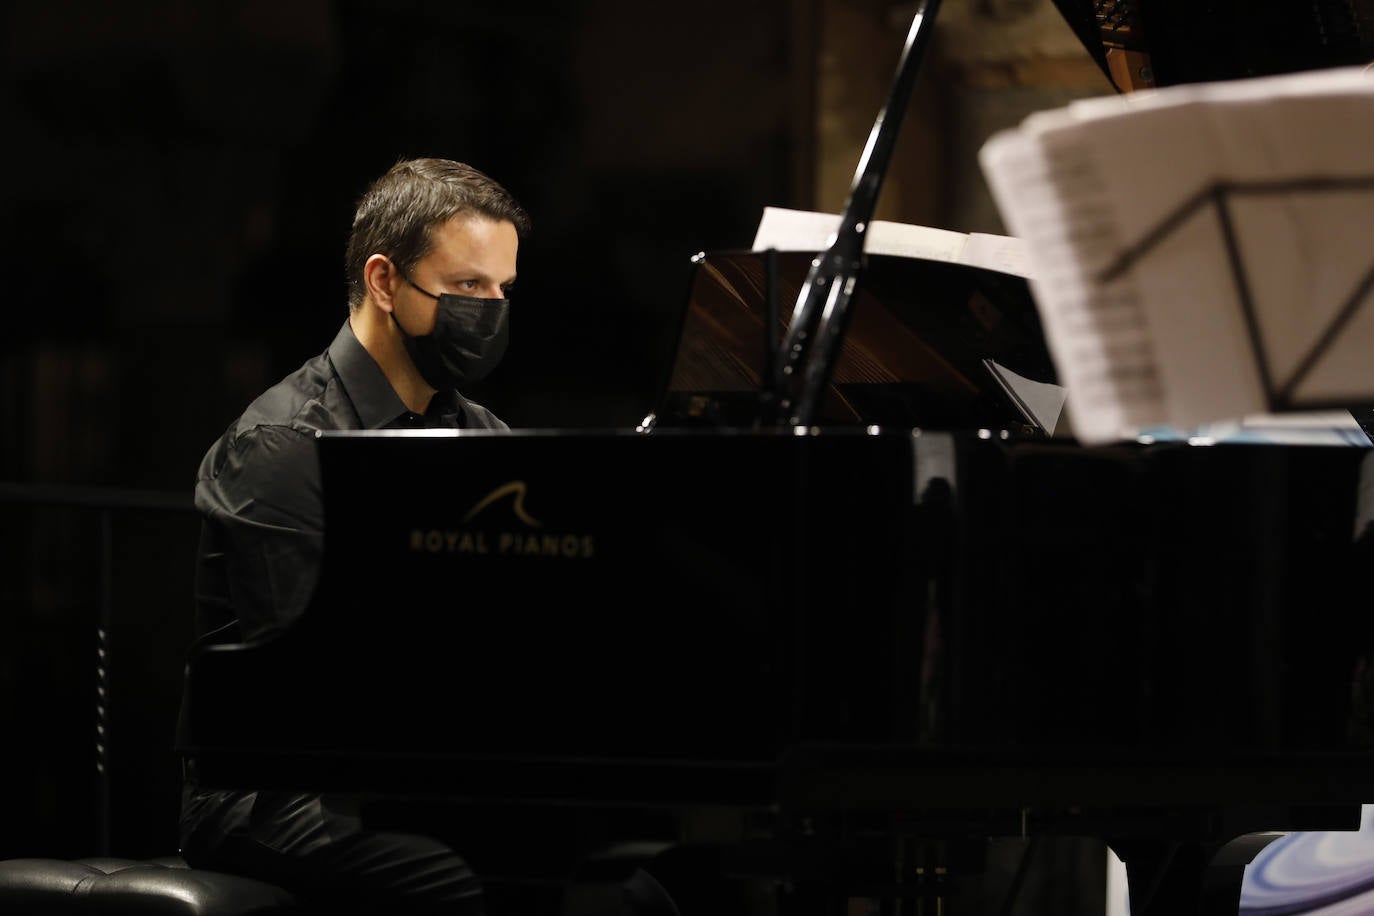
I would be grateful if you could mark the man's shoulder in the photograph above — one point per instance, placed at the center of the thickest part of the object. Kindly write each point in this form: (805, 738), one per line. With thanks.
(281, 423)
(307, 401)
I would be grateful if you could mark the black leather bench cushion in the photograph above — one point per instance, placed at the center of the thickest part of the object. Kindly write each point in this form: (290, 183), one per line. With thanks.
(125, 887)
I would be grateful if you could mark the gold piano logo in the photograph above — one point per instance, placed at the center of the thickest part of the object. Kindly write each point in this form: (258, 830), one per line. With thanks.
(516, 490)
(477, 539)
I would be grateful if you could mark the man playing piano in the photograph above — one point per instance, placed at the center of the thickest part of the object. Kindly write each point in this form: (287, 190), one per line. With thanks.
(430, 260)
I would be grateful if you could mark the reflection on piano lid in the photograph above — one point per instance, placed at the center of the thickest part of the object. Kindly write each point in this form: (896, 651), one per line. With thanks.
(914, 354)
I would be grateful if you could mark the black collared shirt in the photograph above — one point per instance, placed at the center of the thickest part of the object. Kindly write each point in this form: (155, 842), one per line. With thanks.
(258, 488)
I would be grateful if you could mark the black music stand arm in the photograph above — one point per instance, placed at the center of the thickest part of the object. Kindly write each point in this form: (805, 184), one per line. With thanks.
(808, 352)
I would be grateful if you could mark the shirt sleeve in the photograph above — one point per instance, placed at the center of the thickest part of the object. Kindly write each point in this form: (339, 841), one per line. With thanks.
(259, 496)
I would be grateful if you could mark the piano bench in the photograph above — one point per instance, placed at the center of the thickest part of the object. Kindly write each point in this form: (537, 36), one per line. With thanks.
(133, 887)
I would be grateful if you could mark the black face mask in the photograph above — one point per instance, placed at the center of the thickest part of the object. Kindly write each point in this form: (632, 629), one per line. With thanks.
(468, 340)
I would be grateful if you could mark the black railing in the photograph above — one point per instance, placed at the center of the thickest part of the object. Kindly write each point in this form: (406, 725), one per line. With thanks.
(105, 502)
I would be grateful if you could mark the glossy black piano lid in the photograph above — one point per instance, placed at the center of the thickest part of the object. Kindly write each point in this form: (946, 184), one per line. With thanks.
(912, 357)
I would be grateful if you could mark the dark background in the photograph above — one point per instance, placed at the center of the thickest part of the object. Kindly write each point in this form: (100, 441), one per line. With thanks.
(178, 183)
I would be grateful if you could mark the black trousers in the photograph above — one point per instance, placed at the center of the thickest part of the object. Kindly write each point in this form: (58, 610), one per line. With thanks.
(325, 849)
(317, 846)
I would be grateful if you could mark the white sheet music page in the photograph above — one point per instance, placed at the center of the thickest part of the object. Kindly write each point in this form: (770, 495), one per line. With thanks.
(804, 230)
(1002, 253)
(1286, 164)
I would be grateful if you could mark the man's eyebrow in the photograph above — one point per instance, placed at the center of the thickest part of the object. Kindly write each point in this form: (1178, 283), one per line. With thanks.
(461, 274)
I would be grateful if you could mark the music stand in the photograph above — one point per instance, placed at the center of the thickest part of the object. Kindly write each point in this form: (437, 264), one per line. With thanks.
(1280, 394)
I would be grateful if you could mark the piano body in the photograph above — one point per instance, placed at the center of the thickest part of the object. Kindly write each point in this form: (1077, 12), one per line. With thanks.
(977, 636)
(873, 638)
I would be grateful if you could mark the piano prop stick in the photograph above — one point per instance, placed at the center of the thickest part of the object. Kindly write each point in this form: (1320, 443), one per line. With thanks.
(811, 345)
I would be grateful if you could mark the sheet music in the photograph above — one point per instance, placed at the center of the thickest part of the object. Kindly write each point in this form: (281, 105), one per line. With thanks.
(996, 252)
(1096, 334)
(805, 230)
(1184, 335)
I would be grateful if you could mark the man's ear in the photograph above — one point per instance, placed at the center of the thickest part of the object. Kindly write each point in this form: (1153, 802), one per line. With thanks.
(380, 277)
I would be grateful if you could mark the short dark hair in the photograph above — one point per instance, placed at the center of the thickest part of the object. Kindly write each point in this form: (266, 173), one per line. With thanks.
(395, 214)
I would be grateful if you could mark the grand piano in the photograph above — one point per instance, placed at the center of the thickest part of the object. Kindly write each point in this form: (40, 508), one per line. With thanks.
(860, 621)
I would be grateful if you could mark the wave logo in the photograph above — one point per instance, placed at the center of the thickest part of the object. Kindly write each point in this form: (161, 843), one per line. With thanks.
(514, 489)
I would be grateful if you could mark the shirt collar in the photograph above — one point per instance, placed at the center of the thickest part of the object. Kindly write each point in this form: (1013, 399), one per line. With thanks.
(363, 381)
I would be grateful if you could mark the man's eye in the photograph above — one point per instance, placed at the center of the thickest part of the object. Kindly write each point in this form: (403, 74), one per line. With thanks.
(506, 289)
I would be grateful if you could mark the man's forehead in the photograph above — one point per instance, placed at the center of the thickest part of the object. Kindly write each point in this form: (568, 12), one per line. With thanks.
(475, 233)
(471, 222)
(474, 243)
